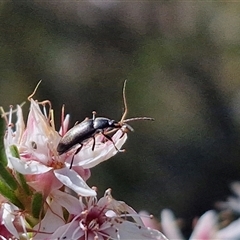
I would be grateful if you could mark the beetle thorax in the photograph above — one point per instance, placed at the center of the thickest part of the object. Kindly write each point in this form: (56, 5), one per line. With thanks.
(102, 123)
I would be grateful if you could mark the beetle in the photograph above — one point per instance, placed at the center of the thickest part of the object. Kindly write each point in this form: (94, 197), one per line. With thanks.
(87, 129)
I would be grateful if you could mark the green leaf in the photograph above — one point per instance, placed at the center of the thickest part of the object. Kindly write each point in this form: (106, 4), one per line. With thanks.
(37, 204)
(7, 177)
(3, 157)
(20, 177)
(9, 194)
(14, 151)
(24, 184)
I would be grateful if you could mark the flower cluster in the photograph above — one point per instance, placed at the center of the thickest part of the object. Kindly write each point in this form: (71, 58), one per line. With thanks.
(221, 224)
(44, 195)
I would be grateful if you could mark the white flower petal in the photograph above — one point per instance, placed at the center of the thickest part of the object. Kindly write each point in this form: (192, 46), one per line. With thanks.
(72, 180)
(169, 226)
(155, 234)
(52, 220)
(232, 231)
(235, 186)
(30, 167)
(130, 230)
(8, 218)
(110, 214)
(64, 126)
(69, 202)
(232, 203)
(148, 221)
(67, 231)
(206, 226)
(102, 152)
(3, 238)
(20, 126)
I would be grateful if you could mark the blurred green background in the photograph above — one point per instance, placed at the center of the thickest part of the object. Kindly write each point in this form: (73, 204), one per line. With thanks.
(181, 60)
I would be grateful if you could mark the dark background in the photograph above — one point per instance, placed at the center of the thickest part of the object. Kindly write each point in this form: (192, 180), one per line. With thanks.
(182, 64)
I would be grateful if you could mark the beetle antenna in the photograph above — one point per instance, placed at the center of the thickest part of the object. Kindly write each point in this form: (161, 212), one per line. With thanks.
(138, 118)
(124, 101)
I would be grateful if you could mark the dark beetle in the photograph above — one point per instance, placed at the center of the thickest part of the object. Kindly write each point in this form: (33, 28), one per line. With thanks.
(87, 129)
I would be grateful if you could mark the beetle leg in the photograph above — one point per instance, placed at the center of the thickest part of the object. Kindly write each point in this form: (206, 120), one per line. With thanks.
(110, 139)
(93, 146)
(76, 123)
(77, 151)
(94, 115)
(111, 131)
(124, 130)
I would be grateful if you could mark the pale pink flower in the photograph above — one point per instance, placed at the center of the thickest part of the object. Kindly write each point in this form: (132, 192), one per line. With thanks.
(232, 203)
(12, 224)
(59, 203)
(103, 219)
(206, 228)
(149, 220)
(231, 232)
(169, 225)
(39, 161)
(53, 218)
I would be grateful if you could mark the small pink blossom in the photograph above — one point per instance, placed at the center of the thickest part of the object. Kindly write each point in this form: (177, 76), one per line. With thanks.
(149, 220)
(50, 189)
(11, 222)
(207, 227)
(39, 161)
(104, 219)
(232, 203)
(169, 225)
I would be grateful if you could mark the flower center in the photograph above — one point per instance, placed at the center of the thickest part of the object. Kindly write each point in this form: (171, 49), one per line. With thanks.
(57, 165)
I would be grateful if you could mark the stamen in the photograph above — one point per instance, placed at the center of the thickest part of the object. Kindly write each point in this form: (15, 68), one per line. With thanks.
(76, 232)
(4, 114)
(124, 215)
(10, 116)
(48, 116)
(45, 111)
(52, 119)
(23, 224)
(62, 118)
(108, 193)
(146, 216)
(34, 91)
